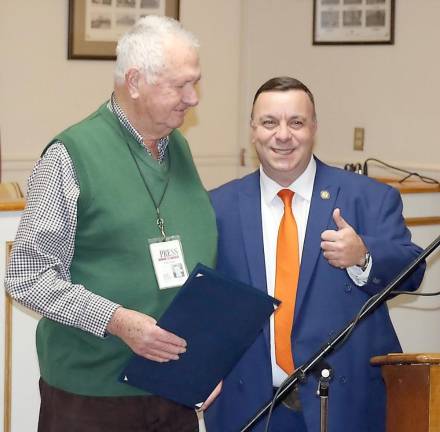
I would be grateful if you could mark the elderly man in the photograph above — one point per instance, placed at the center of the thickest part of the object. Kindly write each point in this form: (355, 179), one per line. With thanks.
(108, 196)
(323, 241)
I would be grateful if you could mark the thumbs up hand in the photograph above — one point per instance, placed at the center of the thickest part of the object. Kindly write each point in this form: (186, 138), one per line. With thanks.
(342, 247)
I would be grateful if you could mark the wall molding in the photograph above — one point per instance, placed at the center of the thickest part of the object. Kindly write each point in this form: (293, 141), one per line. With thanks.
(430, 170)
(19, 168)
(17, 164)
(212, 159)
(208, 159)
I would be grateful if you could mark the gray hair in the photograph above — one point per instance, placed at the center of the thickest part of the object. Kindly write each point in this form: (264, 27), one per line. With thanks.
(143, 46)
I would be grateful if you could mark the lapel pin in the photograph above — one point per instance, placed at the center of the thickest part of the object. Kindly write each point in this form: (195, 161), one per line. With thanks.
(325, 195)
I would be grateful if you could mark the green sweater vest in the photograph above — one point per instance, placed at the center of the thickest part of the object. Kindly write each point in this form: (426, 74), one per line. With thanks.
(116, 217)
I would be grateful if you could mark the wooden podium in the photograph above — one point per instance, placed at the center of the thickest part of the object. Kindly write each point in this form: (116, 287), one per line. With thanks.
(413, 391)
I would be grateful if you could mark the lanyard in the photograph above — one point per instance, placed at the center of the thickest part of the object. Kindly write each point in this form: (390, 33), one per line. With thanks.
(159, 220)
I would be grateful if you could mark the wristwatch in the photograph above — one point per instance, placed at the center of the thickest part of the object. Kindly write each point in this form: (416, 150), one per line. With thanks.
(366, 262)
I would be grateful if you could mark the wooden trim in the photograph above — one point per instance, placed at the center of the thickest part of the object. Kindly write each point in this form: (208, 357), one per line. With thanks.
(425, 220)
(402, 358)
(13, 205)
(410, 186)
(434, 397)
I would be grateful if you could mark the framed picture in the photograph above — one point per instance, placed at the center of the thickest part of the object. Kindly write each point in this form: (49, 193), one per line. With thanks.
(96, 25)
(351, 22)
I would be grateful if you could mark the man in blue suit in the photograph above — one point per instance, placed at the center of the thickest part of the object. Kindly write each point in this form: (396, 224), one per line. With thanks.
(352, 242)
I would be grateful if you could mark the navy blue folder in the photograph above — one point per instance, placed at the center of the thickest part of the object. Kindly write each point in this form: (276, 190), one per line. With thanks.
(219, 318)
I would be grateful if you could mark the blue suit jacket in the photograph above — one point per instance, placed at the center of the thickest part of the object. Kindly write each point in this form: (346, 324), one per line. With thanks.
(327, 300)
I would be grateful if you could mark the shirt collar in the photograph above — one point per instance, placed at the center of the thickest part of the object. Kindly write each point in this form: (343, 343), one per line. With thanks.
(302, 186)
(115, 108)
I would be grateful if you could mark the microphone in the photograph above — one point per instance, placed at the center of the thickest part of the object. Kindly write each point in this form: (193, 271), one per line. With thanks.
(355, 167)
(365, 168)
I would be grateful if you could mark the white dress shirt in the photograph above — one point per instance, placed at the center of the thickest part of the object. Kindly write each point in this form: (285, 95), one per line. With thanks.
(272, 210)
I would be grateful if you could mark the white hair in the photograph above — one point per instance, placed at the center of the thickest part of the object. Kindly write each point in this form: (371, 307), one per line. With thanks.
(143, 46)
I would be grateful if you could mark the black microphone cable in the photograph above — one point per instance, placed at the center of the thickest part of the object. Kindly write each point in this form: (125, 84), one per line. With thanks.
(373, 298)
(409, 174)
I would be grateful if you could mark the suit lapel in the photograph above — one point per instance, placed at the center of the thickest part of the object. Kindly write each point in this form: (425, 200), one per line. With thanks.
(249, 201)
(250, 220)
(320, 217)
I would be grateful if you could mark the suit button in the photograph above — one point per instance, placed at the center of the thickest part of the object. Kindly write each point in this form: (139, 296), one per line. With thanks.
(376, 281)
(348, 288)
(240, 382)
(343, 380)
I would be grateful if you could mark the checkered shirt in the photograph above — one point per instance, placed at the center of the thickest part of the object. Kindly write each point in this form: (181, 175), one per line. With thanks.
(38, 274)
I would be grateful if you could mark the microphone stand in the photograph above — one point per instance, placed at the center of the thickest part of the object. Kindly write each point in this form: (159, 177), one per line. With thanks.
(300, 373)
(323, 391)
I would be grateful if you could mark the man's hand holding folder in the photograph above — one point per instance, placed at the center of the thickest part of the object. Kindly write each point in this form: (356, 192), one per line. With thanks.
(145, 338)
(219, 318)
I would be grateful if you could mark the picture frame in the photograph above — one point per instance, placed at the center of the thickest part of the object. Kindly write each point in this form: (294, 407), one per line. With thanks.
(96, 25)
(353, 22)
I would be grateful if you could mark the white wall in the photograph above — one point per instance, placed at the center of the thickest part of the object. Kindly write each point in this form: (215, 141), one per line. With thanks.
(41, 92)
(417, 319)
(390, 90)
(212, 128)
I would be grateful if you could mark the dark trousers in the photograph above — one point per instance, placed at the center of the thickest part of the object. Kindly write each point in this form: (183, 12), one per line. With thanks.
(66, 412)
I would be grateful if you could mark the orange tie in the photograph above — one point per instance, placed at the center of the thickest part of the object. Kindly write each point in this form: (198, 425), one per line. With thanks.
(286, 281)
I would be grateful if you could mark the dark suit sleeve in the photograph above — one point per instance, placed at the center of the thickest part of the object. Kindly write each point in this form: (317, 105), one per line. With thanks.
(389, 242)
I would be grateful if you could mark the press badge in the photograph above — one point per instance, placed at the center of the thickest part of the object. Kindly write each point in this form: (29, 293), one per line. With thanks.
(168, 261)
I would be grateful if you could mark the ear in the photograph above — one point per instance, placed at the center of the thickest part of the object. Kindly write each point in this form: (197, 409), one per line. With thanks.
(132, 82)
